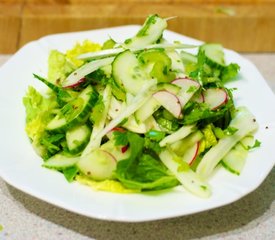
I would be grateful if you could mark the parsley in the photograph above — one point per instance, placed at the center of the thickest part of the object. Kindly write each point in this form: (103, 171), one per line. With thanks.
(120, 138)
(192, 89)
(70, 173)
(256, 144)
(207, 73)
(52, 143)
(97, 77)
(200, 112)
(230, 131)
(152, 146)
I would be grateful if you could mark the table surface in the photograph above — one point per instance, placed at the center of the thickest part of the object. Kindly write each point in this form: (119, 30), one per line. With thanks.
(23, 217)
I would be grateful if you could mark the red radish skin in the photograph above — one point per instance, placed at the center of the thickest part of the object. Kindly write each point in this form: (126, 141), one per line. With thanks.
(215, 97)
(81, 80)
(196, 154)
(124, 148)
(185, 83)
(192, 153)
(119, 129)
(198, 98)
(169, 101)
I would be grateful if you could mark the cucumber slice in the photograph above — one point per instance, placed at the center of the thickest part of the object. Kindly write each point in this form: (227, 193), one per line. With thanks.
(60, 162)
(127, 72)
(158, 64)
(77, 138)
(117, 151)
(150, 32)
(214, 54)
(234, 160)
(100, 122)
(74, 112)
(98, 164)
(63, 96)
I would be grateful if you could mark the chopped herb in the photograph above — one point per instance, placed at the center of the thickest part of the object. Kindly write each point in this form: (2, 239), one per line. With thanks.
(192, 89)
(120, 138)
(256, 144)
(149, 21)
(70, 173)
(230, 131)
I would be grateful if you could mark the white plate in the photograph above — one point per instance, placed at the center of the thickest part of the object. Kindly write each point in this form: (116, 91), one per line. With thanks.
(21, 167)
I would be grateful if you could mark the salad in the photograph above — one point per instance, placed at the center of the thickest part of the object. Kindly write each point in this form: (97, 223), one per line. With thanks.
(141, 115)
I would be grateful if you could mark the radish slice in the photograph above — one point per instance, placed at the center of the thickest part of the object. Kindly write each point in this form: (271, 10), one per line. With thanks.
(81, 80)
(191, 153)
(188, 88)
(199, 98)
(169, 101)
(215, 97)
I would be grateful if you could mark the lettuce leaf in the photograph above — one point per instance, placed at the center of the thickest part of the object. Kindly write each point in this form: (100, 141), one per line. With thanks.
(141, 170)
(38, 114)
(209, 136)
(86, 46)
(106, 185)
(58, 67)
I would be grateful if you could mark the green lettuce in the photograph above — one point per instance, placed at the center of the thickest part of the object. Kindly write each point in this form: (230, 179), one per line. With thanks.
(141, 170)
(38, 114)
(58, 67)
